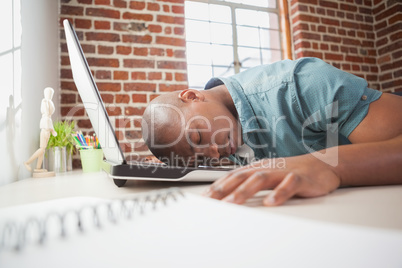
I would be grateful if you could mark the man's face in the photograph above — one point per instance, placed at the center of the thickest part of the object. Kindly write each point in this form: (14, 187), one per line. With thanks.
(208, 132)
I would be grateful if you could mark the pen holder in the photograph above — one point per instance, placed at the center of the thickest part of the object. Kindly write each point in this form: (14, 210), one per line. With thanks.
(91, 160)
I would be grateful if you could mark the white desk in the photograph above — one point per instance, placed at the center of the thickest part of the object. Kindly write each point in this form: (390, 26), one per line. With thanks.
(378, 207)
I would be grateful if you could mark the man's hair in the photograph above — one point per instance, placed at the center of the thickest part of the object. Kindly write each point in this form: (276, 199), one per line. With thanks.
(159, 119)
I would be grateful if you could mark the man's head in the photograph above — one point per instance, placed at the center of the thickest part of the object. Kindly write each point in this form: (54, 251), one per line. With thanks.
(189, 124)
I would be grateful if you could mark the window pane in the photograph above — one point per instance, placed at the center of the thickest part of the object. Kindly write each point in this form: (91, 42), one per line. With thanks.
(198, 53)
(269, 39)
(270, 56)
(259, 3)
(247, 17)
(197, 31)
(248, 36)
(6, 29)
(222, 55)
(249, 57)
(196, 11)
(198, 76)
(273, 21)
(221, 33)
(223, 72)
(220, 13)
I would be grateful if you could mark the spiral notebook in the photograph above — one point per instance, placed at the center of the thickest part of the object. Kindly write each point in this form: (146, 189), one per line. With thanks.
(169, 229)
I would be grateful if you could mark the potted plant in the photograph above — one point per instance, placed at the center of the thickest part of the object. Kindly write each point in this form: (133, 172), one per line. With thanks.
(61, 148)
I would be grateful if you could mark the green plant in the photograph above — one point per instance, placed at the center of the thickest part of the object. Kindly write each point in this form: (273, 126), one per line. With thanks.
(64, 137)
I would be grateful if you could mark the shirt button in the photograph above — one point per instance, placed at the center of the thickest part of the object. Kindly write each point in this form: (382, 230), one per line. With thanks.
(364, 97)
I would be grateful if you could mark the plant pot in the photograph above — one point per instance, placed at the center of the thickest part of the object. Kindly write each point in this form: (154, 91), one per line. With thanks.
(58, 160)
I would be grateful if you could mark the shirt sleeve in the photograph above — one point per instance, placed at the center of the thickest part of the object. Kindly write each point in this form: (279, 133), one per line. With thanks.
(326, 95)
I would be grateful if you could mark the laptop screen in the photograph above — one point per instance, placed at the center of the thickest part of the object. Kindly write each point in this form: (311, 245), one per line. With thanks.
(91, 98)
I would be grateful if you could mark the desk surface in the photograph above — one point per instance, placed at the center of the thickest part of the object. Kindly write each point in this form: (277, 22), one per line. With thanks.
(378, 207)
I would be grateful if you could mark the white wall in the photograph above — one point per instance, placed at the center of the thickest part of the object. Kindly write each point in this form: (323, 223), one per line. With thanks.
(29, 62)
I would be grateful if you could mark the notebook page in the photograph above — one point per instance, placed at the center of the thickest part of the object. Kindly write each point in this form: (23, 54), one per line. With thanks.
(201, 232)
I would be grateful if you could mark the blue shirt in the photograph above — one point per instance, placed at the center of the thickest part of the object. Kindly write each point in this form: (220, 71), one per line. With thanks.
(296, 107)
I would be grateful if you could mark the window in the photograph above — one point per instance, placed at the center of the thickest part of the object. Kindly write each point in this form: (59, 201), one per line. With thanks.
(227, 37)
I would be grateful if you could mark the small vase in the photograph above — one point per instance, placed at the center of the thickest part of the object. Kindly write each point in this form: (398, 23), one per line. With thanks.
(56, 159)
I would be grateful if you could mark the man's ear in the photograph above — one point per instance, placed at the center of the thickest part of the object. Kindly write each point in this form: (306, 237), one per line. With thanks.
(191, 95)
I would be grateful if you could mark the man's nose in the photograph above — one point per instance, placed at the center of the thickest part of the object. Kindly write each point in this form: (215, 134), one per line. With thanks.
(213, 151)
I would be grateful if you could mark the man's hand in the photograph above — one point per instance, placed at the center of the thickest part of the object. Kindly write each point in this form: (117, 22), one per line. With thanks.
(303, 176)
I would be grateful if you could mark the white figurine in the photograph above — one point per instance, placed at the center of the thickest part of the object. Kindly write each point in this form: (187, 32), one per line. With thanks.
(46, 126)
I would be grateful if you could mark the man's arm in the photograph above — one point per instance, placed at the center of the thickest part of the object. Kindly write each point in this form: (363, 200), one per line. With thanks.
(375, 158)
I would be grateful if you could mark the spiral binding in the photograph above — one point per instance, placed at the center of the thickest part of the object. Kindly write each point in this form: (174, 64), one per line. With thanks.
(14, 234)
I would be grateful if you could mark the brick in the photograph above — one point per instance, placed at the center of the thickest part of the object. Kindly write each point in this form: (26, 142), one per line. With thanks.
(333, 56)
(138, 75)
(153, 6)
(88, 2)
(68, 85)
(168, 76)
(84, 123)
(82, 24)
(390, 29)
(330, 38)
(88, 48)
(171, 41)
(171, 87)
(72, 111)
(394, 19)
(155, 76)
(103, 12)
(166, 8)
(349, 41)
(101, 36)
(122, 98)
(122, 123)
(102, 25)
(120, 75)
(154, 28)
(138, 5)
(102, 2)
(156, 51)
(66, 73)
(351, 8)
(133, 134)
(136, 98)
(172, 65)
(329, 4)
(180, 77)
(109, 86)
(311, 54)
(140, 87)
(153, 96)
(70, 10)
(100, 74)
(107, 98)
(137, 16)
(105, 50)
(324, 46)
(120, 3)
(172, 1)
(124, 50)
(140, 146)
(103, 62)
(68, 98)
(113, 110)
(390, 48)
(332, 22)
(181, 54)
(178, 9)
(350, 58)
(168, 30)
(134, 110)
(140, 51)
(139, 39)
(137, 63)
(170, 19)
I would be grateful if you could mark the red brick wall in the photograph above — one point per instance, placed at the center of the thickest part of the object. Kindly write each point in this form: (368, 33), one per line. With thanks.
(135, 49)
(363, 37)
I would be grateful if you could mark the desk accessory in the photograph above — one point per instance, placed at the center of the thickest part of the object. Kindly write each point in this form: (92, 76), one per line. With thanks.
(46, 126)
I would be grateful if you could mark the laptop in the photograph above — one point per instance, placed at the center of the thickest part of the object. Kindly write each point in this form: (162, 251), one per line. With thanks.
(115, 163)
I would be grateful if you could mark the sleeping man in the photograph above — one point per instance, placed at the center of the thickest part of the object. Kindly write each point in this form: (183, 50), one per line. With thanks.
(282, 122)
